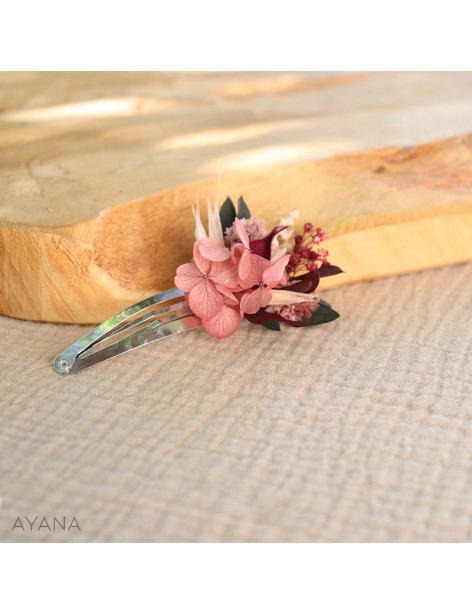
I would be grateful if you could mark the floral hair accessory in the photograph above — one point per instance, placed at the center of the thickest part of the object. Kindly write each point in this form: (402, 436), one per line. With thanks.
(238, 270)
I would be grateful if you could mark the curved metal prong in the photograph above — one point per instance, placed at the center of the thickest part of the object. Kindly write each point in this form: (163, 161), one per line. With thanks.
(168, 318)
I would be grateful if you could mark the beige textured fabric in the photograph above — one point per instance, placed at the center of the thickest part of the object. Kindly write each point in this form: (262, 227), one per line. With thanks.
(359, 430)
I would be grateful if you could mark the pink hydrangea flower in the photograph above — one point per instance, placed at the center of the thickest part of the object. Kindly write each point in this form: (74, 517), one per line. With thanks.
(203, 278)
(265, 275)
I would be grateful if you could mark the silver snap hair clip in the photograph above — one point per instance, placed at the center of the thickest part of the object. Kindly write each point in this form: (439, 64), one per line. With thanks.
(157, 317)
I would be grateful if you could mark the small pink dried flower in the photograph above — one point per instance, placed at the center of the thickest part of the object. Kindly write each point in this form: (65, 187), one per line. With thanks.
(295, 312)
(254, 226)
(319, 235)
(305, 256)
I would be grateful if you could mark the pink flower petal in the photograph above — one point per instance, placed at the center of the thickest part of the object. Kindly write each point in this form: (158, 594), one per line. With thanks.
(237, 251)
(244, 266)
(251, 302)
(187, 277)
(241, 232)
(204, 299)
(258, 266)
(265, 297)
(242, 258)
(231, 299)
(215, 253)
(225, 274)
(202, 263)
(224, 324)
(275, 273)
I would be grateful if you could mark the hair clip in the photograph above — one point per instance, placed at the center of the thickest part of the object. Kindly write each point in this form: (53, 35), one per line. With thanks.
(238, 270)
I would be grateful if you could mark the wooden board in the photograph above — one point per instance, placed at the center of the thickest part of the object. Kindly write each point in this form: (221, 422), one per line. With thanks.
(98, 172)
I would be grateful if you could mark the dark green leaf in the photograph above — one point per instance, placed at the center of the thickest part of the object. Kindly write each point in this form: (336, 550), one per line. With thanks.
(322, 302)
(243, 209)
(227, 213)
(272, 325)
(323, 314)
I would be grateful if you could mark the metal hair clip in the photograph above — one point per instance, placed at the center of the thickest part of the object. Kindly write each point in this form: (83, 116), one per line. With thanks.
(155, 318)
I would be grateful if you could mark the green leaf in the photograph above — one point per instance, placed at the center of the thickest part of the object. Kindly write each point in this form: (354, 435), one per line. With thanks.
(272, 325)
(227, 213)
(243, 209)
(324, 313)
(322, 302)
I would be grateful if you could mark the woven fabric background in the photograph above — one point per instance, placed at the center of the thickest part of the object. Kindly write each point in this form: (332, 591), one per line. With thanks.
(359, 430)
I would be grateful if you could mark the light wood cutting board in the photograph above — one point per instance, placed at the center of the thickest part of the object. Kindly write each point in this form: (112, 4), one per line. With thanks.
(98, 172)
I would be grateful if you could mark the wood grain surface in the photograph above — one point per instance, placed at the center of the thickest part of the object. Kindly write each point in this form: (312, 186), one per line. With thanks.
(98, 172)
